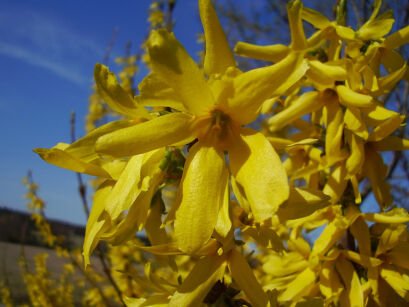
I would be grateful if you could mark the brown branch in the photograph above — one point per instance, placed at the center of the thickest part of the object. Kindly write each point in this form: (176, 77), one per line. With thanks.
(169, 12)
(111, 43)
(82, 192)
(356, 12)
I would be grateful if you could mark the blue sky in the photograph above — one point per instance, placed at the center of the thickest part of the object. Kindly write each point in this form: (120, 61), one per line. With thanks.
(48, 50)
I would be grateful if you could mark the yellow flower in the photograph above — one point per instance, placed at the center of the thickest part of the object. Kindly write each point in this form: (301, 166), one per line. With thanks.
(216, 109)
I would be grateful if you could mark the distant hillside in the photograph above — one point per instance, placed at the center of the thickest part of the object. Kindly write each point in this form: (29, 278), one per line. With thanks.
(17, 227)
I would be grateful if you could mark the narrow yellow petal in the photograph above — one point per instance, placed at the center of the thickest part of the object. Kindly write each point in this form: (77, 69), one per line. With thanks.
(353, 296)
(376, 175)
(218, 54)
(224, 224)
(304, 104)
(298, 40)
(270, 53)
(326, 73)
(335, 127)
(396, 281)
(385, 128)
(243, 275)
(397, 39)
(363, 260)
(65, 160)
(173, 64)
(399, 255)
(129, 185)
(155, 92)
(330, 235)
(158, 132)
(349, 97)
(84, 148)
(394, 216)
(258, 169)
(388, 82)
(97, 222)
(114, 95)
(391, 143)
(357, 154)
(360, 230)
(375, 29)
(203, 186)
(315, 18)
(158, 300)
(355, 123)
(207, 271)
(330, 283)
(252, 88)
(300, 286)
(278, 265)
(301, 203)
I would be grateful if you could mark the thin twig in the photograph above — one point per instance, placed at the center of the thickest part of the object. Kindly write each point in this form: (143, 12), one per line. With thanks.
(82, 192)
(356, 11)
(110, 45)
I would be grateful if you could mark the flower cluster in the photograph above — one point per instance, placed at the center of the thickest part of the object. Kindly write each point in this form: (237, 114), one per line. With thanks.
(182, 165)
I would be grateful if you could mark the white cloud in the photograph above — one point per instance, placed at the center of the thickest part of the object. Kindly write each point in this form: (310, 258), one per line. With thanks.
(40, 61)
(45, 41)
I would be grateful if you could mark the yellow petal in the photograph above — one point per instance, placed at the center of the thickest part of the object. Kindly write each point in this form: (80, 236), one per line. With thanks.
(375, 29)
(218, 54)
(397, 39)
(114, 95)
(376, 175)
(391, 143)
(130, 184)
(357, 154)
(349, 97)
(97, 222)
(278, 265)
(173, 64)
(155, 92)
(298, 40)
(315, 18)
(299, 287)
(207, 271)
(156, 300)
(360, 230)
(258, 169)
(353, 295)
(385, 128)
(158, 132)
(243, 275)
(330, 283)
(302, 202)
(388, 82)
(270, 53)
(203, 186)
(223, 224)
(354, 122)
(335, 127)
(84, 148)
(326, 73)
(363, 260)
(252, 88)
(396, 281)
(304, 104)
(394, 216)
(399, 255)
(330, 235)
(65, 160)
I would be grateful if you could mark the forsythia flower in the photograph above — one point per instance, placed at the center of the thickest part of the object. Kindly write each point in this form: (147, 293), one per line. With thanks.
(214, 111)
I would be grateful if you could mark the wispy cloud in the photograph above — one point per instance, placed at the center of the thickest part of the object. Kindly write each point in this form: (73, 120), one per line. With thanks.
(46, 42)
(37, 60)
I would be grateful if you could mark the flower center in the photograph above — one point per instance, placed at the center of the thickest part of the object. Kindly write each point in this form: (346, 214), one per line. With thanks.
(216, 128)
